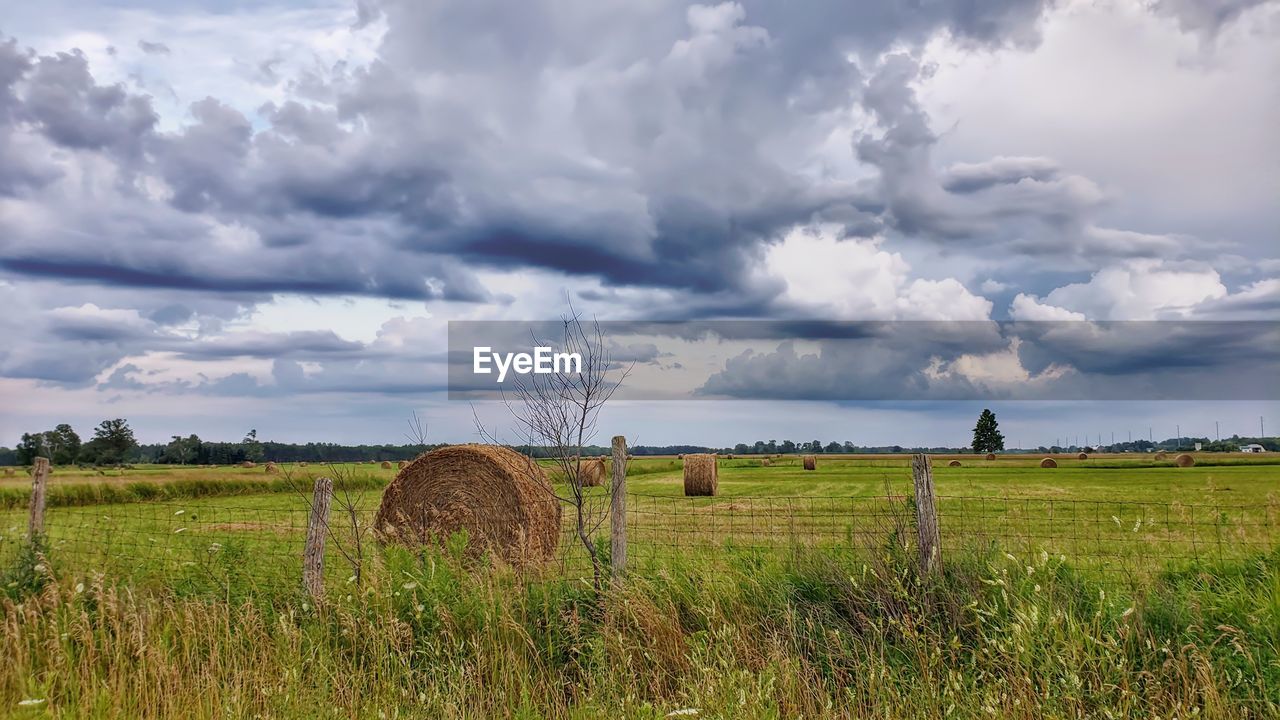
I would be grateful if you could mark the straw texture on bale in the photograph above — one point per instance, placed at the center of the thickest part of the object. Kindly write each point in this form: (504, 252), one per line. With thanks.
(271, 468)
(810, 462)
(701, 474)
(591, 472)
(248, 464)
(954, 463)
(991, 456)
(498, 497)
(386, 465)
(1184, 460)
(1048, 463)
(1082, 456)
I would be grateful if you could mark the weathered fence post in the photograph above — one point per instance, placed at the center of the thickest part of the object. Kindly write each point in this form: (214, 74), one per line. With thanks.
(618, 507)
(317, 527)
(39, 478)
(926, 515)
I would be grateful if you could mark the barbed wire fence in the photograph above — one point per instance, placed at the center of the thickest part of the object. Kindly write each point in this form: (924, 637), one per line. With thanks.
(239, 549)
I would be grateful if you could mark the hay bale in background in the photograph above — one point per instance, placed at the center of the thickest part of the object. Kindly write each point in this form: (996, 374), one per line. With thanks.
(302, 464)
(1048, 463)
(9, 472)
(701, 474)
(810, 462)
(1082, 456)
(271, 468)
(729, 456)
(500, 498)
(591, 472)
(248, 464)
(680, 456)
(954, 463)
(386, 465)
(991, 456)
(1184, 460)
(400, 465)
(765, 463)
(1160, 456)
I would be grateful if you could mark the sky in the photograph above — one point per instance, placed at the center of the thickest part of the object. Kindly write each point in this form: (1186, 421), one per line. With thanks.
(217, 216)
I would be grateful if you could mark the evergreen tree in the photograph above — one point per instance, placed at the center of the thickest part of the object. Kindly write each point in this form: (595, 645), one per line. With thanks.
(986, 434)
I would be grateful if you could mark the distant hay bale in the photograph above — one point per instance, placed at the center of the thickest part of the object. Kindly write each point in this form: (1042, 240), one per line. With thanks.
(400, 465)
(1048, 463)
(1160, 456)
(386, 465)
(271, 469)
(1184, 460)
(729, 456)
(248, 464)
(680, 456)
(9, 472)
(1082, 456)
(701, 474)
(991, 456)
(810, 462)
(765, 463)
(498, 497)
(591, 472)
(302, 464)
(954, 463)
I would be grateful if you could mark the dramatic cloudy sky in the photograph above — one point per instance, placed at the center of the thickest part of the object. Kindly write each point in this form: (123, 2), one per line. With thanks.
(217, 215)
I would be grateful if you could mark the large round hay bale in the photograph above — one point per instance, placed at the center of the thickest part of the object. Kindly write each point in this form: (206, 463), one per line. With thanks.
(991, 456)
(591, 472)
(1082, 456)
(1160, 456)
(248, 464)
(701, 474)
(386, 465)
(954, 463)
(498, 497)
(1184, 460)
(810, 462)
(1048, 463)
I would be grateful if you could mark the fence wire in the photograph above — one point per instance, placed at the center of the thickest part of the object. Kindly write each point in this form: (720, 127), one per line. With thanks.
(210, 546)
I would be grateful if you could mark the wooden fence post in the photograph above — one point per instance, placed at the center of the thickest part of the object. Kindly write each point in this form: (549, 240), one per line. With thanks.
(618, 508)
(926, 515)
(39, 479)
(317, 527)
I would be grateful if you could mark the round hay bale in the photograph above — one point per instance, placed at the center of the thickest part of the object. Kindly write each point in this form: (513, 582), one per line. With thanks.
(302, 464)
(991, 456)
(591, 472)
(680, 456)
(1160, 456)
(1048, 463)
(400, 465)
(701, 474)
(271, 469)
(386, 465)
(9, 472)
(248, 464)
(1082, 456)
(1184, 460)
(729, 456)
(810, 462)
(765, 463)
(500, 498)
(954, 463)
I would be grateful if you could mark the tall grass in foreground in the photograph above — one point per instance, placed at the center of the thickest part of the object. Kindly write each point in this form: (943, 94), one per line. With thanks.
(813, 635)
(91, 493)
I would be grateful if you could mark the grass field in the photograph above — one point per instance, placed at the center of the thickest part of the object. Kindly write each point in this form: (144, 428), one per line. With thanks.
(1115, 586)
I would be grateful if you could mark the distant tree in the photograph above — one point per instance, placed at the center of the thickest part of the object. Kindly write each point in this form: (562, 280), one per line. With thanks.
(833, 447)
(252, 448)
(986, 434)
(787, 447)
(741, 449)
(63, 444)
(181, 450)
(30, 448)
(112, 441)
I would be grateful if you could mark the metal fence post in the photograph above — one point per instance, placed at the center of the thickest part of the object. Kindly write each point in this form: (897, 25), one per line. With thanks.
(39, 480)
(317, 526)
(618, 507)
(926, 515)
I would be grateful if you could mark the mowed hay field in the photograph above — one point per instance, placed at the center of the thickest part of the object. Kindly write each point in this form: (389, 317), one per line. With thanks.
(1120, 514)
(1111, 587)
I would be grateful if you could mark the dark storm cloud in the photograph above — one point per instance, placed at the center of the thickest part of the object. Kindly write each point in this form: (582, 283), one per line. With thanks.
(153, 48)
(273, 345)
(634, 145)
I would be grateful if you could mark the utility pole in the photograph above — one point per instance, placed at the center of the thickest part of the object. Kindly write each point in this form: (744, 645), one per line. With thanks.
(1217, 434)
(1179, 441)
